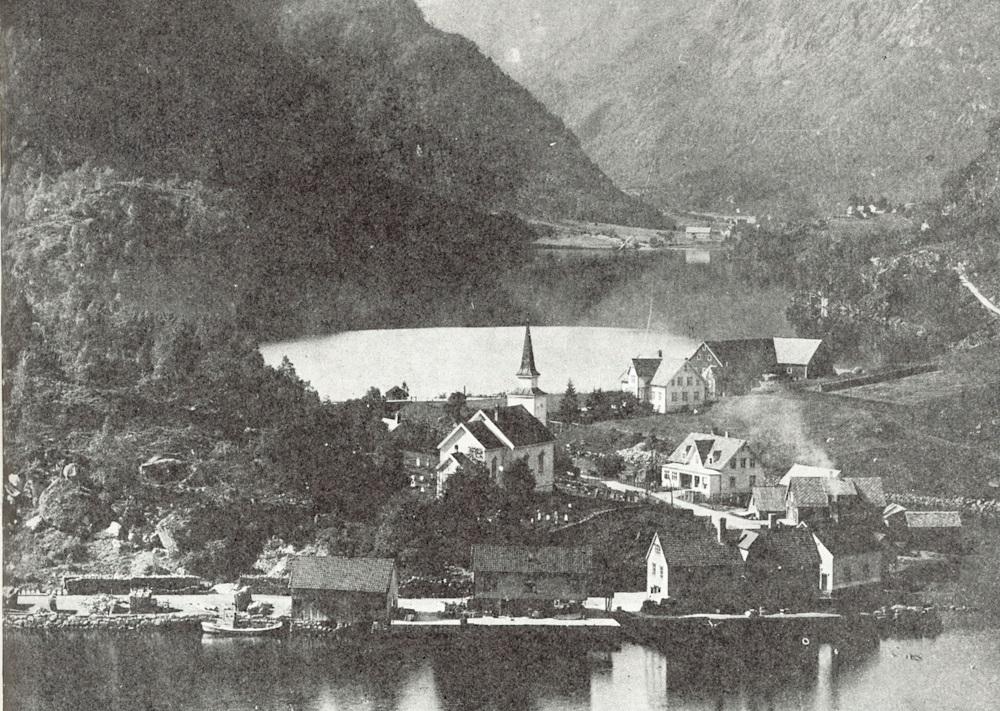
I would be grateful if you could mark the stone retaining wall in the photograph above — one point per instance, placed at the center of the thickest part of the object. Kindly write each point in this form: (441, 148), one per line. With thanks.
(53, 621)
(981, 507)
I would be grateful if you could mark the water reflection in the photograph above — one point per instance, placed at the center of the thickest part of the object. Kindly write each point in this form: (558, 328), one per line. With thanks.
(173, 672)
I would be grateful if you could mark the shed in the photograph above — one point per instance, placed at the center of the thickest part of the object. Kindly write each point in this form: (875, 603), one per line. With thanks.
(348, 590)
(545, 573)
(766, 500)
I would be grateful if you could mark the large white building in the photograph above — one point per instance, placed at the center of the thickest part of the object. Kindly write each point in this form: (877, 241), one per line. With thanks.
(494, 438)
(667, 384)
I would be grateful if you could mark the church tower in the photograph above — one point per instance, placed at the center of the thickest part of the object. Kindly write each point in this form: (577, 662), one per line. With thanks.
(527, 392)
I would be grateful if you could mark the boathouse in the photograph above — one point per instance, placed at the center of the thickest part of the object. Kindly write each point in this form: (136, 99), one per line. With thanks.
(343, 590)
(530, 574)
(781, 567)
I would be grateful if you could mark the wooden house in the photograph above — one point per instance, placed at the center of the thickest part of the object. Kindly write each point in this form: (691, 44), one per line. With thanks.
(530, 574)
(850, 558)
(782, 565)
(766, 501)
(343, 590)
(694, 568)
(668, 384)
(712, 466)
(815, 500)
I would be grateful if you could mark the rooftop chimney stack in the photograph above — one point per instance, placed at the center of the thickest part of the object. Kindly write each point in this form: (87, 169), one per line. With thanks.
(771, 520)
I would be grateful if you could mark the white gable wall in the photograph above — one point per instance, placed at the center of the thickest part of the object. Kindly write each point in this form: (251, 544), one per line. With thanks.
(657, 575)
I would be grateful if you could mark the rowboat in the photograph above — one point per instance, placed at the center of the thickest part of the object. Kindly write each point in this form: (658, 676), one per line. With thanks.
(219, 629)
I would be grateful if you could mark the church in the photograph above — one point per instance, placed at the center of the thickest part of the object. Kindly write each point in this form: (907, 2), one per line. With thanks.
(497, 436)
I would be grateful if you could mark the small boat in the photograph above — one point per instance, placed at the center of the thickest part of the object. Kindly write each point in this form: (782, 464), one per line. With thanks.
(220, 629)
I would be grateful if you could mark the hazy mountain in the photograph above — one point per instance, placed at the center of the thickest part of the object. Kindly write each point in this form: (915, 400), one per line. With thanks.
(755, 102)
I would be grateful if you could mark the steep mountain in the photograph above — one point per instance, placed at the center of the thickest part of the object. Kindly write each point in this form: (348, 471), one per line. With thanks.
(277, 91)
(759, 103)
(356, 149)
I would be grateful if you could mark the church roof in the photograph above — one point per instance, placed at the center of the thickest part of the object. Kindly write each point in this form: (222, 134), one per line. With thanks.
(482, 432)
(528, 369)
(518, 425)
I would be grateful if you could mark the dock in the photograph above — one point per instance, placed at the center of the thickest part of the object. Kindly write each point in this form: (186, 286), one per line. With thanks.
(594, 631)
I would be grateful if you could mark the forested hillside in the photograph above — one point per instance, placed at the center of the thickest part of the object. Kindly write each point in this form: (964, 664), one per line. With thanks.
(890, 290)
(783, 105)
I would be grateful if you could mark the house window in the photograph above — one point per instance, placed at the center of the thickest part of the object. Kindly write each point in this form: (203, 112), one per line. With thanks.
(690, 381)
(753, 462)
(732, 482)
(743, 463)
(753, 480)
(541, 462)
(673, 398)
(697, 395)
(684, 396)
(493, 466)
(732, 463)
(529, 586)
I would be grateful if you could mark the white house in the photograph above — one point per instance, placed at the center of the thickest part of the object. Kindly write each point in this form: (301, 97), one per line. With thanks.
(849, 558)
(495, 438)
(713, 466)
(808, 471)
(668, 384)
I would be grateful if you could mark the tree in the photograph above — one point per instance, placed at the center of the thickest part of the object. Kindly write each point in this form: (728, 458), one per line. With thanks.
(610, 466)
(518, 485)
(569, 406)
(455, 407)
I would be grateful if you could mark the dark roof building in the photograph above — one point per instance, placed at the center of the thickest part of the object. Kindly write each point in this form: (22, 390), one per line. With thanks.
(766, 500)
(370, 575)
(531, 574)
(342, 590)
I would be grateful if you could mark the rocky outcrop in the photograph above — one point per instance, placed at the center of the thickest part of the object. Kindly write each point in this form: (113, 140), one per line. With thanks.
(69, 507)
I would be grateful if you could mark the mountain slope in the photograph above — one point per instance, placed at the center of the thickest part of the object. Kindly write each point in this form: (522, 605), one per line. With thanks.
(763, 103)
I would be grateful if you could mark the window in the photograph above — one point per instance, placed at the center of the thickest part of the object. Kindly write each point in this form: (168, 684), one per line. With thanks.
(493, 466)
(541, 462)
(529, 586)
(753, 462)
(673, 398)
(753, 480)
(732, 463)
(743, 463)
(684, 396)
(732, 482)
(690, 381)
(697, 395)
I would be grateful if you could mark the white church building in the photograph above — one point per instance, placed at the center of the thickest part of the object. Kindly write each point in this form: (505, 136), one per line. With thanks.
(496, 437)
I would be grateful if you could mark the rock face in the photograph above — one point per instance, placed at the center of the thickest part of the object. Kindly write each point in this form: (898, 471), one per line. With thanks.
(68, 507)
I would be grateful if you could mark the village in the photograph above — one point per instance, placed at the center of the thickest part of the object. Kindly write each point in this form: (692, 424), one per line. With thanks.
(720, 536)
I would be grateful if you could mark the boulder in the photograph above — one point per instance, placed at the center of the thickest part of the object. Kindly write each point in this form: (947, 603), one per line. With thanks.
(72, 509)
(34, 523)
(113, 531)
(162, 467)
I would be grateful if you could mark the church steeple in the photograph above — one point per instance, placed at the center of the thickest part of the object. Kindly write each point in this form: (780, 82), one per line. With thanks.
(528, 369)
(528, 393)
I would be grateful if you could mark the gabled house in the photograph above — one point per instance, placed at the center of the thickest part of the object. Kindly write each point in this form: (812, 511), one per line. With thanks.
(526, 573)
(692, 568)
(850, 557)
(494, 439)
(782, 565)
(343, 590)
(767, 501)
(802, 358)
(669, 384)
(713, 466)
(825, 499)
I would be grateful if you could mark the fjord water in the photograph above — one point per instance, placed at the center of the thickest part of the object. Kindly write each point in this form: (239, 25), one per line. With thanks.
(438, 361)
(172, 672)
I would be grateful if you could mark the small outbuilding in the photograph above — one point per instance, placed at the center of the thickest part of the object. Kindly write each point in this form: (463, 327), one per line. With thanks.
(343, 590)
(927, 530)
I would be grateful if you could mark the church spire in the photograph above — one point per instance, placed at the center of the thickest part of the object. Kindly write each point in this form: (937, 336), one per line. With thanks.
(528, 369)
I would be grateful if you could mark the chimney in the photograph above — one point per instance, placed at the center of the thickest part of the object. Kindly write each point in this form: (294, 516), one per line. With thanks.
(771, 520)
(721, 528)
